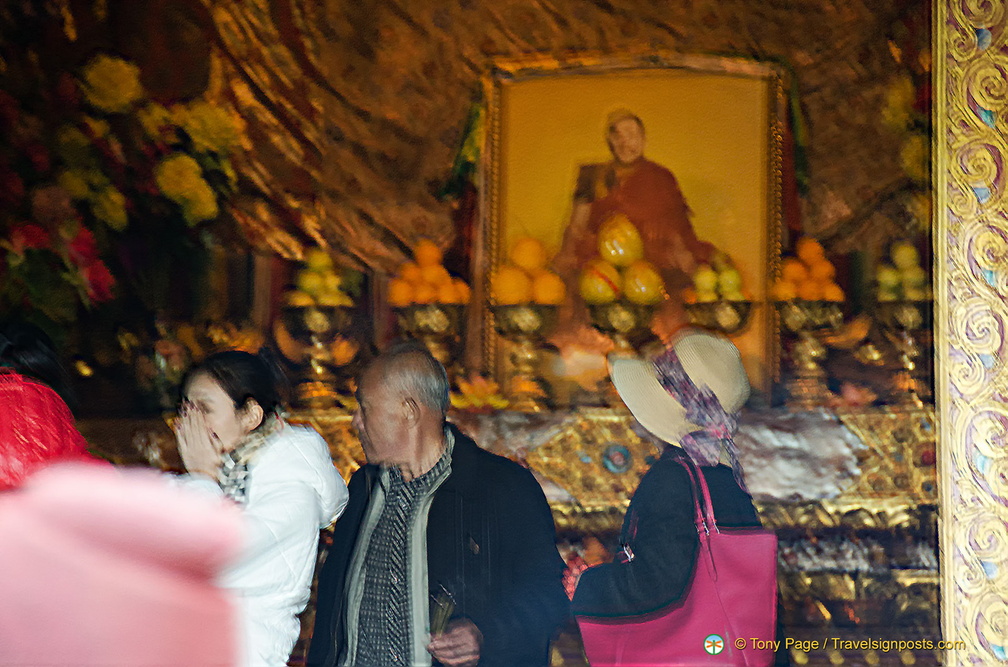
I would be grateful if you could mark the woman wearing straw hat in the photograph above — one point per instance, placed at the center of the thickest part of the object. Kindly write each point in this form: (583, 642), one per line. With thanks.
(688, 397)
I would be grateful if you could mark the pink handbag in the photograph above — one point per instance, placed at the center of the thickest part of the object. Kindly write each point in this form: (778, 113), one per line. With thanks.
(731, 601)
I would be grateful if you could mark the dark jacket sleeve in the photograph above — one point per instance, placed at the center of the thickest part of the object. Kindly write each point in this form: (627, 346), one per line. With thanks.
(329, 591)
(660, 531)
(528, 613)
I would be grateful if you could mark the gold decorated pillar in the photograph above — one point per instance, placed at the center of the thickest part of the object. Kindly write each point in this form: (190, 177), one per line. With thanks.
(971, 278)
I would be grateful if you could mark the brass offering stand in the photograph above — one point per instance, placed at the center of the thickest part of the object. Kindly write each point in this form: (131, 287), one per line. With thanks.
(437, 325)
(727, 317)
(629, 327)
(904, 321)
(318, 328)
(525, 326)
(807, 319)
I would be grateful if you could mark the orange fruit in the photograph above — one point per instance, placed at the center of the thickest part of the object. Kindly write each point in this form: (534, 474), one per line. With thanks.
(793, 271)
(600, 282)
(426, 253)
(689, 295)
(642, 284)
(424, 293)
(810, 291)
(548, 289)
(822, 270)
(809, 250)
(619, 242)
(464, 293)
(832, 292)
(435, 274)
(784, 290)
(400, 293)
(410, 272)
(447, 293)
(528, 253)
(510, 285)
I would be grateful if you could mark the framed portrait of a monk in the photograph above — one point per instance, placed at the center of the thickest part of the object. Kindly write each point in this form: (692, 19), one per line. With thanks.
(683, 151)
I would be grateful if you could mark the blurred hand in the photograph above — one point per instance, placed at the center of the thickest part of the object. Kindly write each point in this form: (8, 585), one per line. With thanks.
(199, 449)
(459, 646)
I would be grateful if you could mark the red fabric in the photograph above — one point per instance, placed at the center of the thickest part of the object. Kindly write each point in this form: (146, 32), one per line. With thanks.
(36, 429)
(650, 197)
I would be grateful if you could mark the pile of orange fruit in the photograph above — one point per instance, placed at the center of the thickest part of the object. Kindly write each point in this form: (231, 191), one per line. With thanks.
(620, 270)
(808, 275)
(424, 279)
(525, 279)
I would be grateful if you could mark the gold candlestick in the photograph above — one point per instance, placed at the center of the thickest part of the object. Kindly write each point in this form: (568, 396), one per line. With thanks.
(525, 326)
(806, 319)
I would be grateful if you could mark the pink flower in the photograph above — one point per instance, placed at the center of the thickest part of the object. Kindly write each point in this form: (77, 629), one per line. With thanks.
(83, 248)
(29, 236)
(99, 281)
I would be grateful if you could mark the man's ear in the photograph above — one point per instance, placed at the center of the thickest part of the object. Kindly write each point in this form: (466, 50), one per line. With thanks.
(252, 415)
(412, 410)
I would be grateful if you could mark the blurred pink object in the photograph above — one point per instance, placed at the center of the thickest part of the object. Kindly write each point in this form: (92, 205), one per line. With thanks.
(36, 429)
(106, 567)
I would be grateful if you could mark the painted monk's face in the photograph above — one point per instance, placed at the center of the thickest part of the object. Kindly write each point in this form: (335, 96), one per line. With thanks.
(626, 141)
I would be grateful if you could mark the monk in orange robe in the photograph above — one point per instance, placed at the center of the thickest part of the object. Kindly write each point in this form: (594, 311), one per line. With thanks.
(649, 196)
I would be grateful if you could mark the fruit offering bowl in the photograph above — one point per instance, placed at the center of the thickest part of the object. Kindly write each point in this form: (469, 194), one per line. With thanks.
(727, 317)
(436, 324)
(525, 326)
(806, 319)
(318, 329)
(626, 323)
(904, 321)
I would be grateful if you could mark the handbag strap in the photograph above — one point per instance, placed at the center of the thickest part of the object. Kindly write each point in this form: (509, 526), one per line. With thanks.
(703, 510)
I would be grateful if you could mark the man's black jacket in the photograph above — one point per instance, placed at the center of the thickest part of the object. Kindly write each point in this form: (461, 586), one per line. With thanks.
(490, 542)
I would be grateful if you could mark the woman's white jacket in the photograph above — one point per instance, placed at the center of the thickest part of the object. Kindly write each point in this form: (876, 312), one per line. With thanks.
(293, 492)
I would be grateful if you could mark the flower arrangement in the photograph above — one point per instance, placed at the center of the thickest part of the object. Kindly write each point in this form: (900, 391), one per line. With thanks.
(104, 187)
(50, 264)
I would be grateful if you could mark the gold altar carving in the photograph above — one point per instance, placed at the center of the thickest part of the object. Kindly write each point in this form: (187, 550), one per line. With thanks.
(970, 145)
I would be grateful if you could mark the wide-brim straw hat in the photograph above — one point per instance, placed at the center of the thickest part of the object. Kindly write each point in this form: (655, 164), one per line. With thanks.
(709, 361)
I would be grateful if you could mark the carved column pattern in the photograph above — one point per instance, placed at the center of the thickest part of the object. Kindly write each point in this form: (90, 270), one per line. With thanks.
(971, 251)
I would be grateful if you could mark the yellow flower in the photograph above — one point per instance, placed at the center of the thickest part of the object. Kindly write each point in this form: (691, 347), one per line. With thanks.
(109, 206)
(210, 127)
(99, 128)
(153, 118)
(899, 104)
(200, 205)
(111, 84)
(177, 175)
(73, 146)
(75, 183)
(915, 156)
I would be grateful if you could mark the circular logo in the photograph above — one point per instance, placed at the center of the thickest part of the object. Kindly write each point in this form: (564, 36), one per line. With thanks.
(713, 644)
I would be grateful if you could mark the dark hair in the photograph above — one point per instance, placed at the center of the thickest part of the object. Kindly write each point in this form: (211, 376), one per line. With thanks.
(243, 376)
(28, 350)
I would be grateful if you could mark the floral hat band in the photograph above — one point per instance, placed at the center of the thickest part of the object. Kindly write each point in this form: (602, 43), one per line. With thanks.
(690, 395)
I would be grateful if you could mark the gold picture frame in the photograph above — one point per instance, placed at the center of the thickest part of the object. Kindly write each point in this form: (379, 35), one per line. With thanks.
(715, 122)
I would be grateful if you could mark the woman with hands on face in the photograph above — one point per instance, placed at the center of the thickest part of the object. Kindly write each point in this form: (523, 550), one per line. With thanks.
(234, 442)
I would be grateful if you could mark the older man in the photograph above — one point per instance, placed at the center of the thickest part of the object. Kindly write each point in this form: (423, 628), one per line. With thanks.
(433, 514)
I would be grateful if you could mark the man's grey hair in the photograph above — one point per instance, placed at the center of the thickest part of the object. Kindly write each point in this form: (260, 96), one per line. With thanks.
(413, 369)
